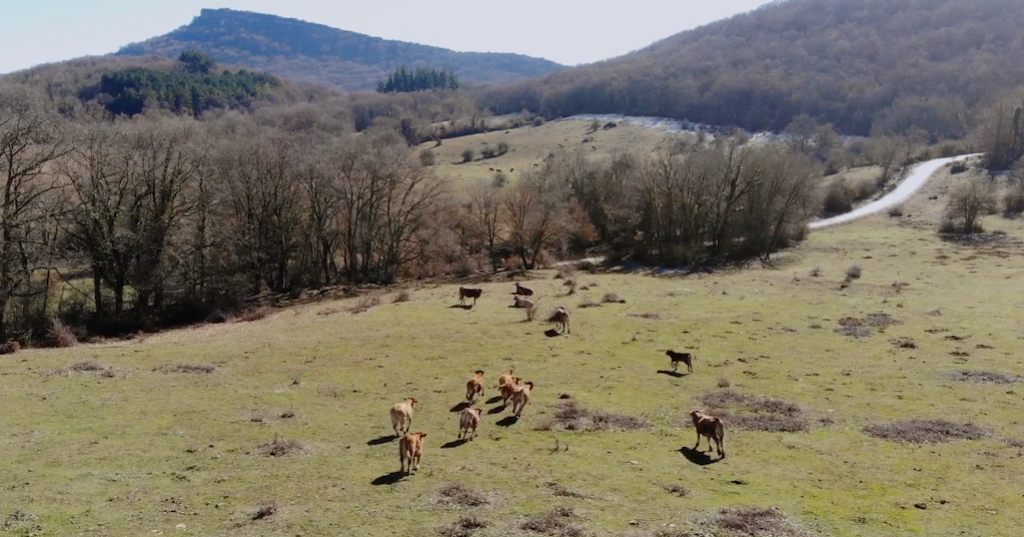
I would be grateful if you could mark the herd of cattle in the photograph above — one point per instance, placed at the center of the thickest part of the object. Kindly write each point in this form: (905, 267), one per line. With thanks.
(511, 388)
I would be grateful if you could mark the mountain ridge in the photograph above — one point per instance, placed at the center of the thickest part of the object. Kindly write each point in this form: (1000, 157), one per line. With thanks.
(308, 51)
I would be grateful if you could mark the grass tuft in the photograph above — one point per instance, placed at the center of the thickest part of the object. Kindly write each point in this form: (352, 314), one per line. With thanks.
(555, 522)
(924, 431)
(756, 413)
(266, 510)
(62, 335)
(853, 273)
(984, 377)
(678, 490)
(402, 296)
(757, 522)
(612, 298)
(564, 492)
(192, 369)
(464, 527)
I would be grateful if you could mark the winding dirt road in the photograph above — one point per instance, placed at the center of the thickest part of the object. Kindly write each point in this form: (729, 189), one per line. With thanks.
(918, 176)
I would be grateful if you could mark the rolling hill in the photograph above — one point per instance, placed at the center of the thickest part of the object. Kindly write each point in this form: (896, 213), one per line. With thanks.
(887, 65)
(300, 50)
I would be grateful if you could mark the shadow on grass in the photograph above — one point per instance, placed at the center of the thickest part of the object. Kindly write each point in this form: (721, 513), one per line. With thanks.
(552, 333)
(466, 307)
(493, 400)
(389, 479)
(382, 440)
(454, 444)
(508, 421)
(673, 374)
(460, 407)
(496, 410)
(700, 458)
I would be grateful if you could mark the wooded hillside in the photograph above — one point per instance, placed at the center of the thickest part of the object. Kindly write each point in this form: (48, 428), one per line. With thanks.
(859, 64)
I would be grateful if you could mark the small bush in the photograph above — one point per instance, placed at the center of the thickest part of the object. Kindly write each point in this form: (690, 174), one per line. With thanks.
(853, 273)
(468, 154)
(924, 431)
(724, 383)
(904, 343)
(538, 121)
(428, 158)
(984, 377)
(365, 304)
(612, 298)
(959, 166)
(280, 447)
(896, 211)
(402, 296)
(255, 313)
(503, 148)
(265, 511)
(488, 152)
(61, 335)
(815, 272)
(9, 347)
(461, 495)
(589, 304)
(838, 199)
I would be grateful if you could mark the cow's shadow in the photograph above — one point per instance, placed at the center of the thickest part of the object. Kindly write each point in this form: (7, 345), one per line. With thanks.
(462, 306)
(497, 410)
(382, 440)
(460, 407)
(673, 374)
(552, 333)
(700, 458)
(454, 443)
(508, 421)
(389, 479)
(493, 400)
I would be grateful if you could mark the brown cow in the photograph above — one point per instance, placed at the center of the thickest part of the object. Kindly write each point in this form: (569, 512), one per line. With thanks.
(525, 291)
(711, 427)
(468, 422)
(561, 319)
(468, 292)
(401, 416)
(410, 449)
(505, 378)
(475, 387)
(683, 357)
(521, 398)
(508, 389)
(520, 302)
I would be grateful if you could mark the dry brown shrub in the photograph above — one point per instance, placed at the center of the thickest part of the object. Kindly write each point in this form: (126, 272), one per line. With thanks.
(264, 511)
(365, 304)
(254, 313)
(402, 296)
(62, 335)
(984, 377)
(9, 347)
(572, 417)
(757, 522)
(464, 527)
(755, 412)
(612, 298)
(554, 522)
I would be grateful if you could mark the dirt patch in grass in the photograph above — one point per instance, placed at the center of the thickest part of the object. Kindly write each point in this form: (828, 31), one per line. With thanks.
(924, 431)
(677, 490)
(984, 377)
(572, 417)
(464, 527)
(755, 412)
(190, 369)
(555, 522)
(455, 494)
(90, 366)
(266, 510)
(281, 447)
(564, 492)
(755, 522)
(858, 328)
(903, 343)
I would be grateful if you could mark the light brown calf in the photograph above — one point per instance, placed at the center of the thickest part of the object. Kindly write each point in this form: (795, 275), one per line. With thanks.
(521, 398)
(475, 387)
(711, 427)
(505, 378)
(508, 389)
(401, 416)
(468, 423)
(521, 302)
(410, 449)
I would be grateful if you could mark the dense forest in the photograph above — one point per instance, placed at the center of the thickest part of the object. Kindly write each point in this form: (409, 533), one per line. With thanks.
(882, 66)
(418, 79)
(304, 51)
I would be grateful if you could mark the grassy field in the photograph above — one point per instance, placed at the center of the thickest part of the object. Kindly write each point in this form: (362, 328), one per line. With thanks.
(112, 440)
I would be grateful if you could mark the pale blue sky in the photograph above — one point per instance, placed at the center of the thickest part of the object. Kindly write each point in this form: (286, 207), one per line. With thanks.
(569, 32)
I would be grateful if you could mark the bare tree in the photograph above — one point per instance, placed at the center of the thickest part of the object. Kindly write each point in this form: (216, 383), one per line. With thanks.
(486, 214)
(967, 205)
(30, 140)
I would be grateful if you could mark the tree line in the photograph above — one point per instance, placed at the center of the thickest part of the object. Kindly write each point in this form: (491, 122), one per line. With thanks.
(422, 78)
(115, 224)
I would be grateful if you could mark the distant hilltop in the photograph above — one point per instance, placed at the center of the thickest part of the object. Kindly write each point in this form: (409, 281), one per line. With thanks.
(300, 50)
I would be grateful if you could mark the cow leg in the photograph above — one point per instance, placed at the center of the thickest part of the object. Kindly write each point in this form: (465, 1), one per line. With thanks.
(689, 367)
(675, 366)
(695, 446)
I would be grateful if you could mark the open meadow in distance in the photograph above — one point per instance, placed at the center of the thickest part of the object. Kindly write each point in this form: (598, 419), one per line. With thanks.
(280, 426)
